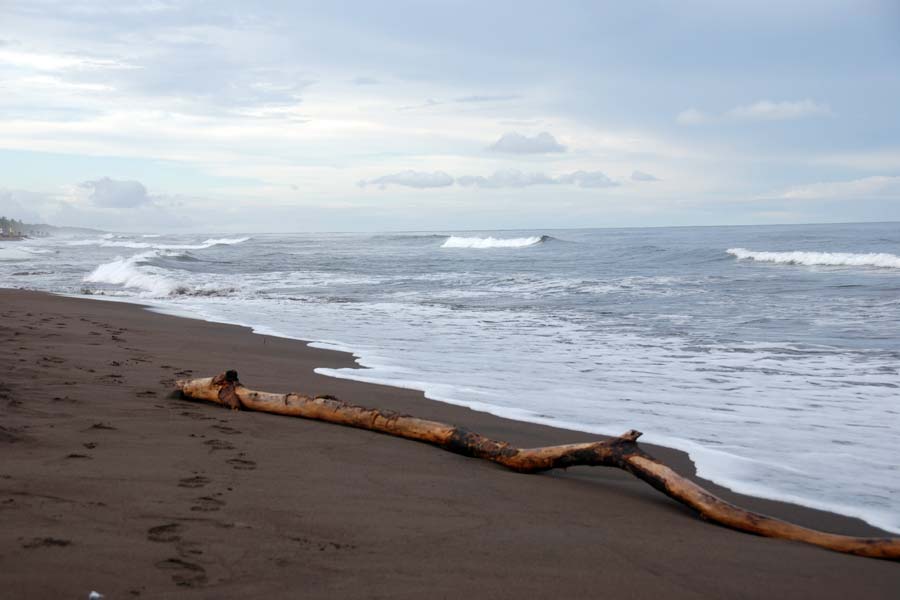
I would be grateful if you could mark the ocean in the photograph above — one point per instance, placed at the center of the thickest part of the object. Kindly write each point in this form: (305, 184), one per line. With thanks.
(769, 353)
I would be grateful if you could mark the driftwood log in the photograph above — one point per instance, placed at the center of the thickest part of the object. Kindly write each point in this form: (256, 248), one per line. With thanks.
(621, 452)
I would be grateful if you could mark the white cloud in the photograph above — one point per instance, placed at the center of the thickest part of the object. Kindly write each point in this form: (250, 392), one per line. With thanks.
(516, 143)
(692, 116)
(879, 186)
(886, 159)
(587, 179)
(16, 204)
(111, 193)
(641, 176)
(763, 110)
(413, 179)
(502, 178)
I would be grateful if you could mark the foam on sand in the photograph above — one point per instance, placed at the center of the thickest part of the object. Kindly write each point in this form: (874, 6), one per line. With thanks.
(832, 259)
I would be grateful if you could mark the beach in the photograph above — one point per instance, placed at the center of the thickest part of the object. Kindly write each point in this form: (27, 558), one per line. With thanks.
(112, 483)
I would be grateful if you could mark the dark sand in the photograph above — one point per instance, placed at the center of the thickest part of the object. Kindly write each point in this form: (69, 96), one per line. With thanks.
(107, 483)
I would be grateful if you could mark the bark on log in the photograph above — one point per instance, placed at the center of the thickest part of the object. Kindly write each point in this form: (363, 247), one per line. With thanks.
(621, 452)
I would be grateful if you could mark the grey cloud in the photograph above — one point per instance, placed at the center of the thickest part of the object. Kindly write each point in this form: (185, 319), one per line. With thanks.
(641, 176)
(513, 178)
(112, 193)
(516, 143)
(365, 81)
(413, 179)
(505, 178)
(587, 179)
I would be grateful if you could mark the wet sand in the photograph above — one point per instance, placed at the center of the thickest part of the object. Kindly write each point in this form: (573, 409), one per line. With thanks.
(109, 482)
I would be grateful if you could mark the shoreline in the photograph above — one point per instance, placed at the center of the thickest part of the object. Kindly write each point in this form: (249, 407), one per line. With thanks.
(683, 459)
(685, 447)
(88, 421)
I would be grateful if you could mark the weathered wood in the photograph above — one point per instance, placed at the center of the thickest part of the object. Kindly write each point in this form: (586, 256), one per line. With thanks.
(621, 452)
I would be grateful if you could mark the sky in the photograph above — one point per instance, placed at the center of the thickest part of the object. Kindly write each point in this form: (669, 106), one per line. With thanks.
(163, 115)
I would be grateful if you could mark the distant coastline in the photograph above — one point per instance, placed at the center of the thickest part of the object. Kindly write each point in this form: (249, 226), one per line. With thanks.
(12, 230)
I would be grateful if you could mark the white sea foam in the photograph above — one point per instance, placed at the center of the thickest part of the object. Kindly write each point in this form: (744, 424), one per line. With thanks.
(492, 242)
(127, 273)
(153, 282)
(17, 253)
(835, 259)
(107, 243)
(795, 411)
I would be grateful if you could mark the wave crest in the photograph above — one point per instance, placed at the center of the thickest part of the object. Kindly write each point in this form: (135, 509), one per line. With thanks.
(492, 242)
(135, 272)
(834, 259)
(108, 243)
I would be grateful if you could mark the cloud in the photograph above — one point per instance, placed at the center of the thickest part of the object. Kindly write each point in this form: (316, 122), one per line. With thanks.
(414, 179)
(514, 178)
(764, 110)
(587, 179)
(15, 204)
(641, 176)
(112, 193)
(516, 143)
(505, 178)
(502, 178)
(867, 187)
(365, 81)
(692, 116)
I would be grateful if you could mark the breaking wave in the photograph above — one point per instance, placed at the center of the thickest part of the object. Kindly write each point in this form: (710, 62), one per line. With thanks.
(835, 259)
(108, 243)
(492, 242)
(136, 272)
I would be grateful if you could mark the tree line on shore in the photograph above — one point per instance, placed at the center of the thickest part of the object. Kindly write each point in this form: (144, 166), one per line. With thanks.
(11, 228)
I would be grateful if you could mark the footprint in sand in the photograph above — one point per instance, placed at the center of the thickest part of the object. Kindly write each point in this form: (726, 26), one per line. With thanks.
(219, 445)
(170, 532)
(46, 542)
(197, 481)
(241, 464)
(226, 429)
(186, 574)
(321, 545)
(106, 426)
(194, 415)
(207, 504)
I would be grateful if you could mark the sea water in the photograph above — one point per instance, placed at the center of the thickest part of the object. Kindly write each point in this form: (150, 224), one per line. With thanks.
(770, 354)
